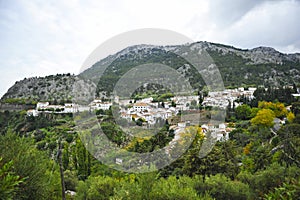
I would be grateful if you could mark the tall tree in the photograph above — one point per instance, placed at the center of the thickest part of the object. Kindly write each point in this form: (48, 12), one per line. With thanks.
(264, 118)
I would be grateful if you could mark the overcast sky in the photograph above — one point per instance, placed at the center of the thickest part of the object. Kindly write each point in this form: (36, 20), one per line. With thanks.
(39, 38)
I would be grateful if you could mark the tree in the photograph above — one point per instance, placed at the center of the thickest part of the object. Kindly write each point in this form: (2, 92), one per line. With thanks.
(140, 121)
(289, 190)
(173, 104)
(264, 117)
(290, 117)
(96, 188)
(65, 156)
(278, 108)
(29, 163)
(296, 108)
(290, 142)
(243, 112)
(83, 161)
(9, 181)
(220, 187)
(175, 188)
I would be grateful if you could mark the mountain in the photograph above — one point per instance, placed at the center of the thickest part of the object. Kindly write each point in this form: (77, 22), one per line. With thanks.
(58, 88)
(238, 67)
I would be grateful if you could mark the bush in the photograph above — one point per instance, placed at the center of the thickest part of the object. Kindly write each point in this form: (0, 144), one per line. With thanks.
(9, 181)
(220, 187)
(30, 164)
(264, 181)
(173, 188)
(96, 188)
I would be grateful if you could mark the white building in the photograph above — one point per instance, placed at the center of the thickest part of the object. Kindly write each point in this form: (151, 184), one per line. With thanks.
(71, 108)
(252, 89)
(105, 105)
(34, 113)
(139, 107)
(147, 100)
(148, 116)
(42, 105)
(126, 115)
(181, 124)
(98, 104)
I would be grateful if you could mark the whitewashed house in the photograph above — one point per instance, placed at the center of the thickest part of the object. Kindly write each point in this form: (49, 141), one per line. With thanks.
(71, 108)
(33, 113)
(204, 128)
(98, 104)
(126, 115)
(148, 116)
(147, 100)
(181, 124)
(104, 105)
(42, 105)
(222, 126)
(139, 107)
(168, 114)
(54, 108)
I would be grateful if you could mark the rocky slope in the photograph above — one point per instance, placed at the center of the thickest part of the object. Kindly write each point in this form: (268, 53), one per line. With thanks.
(55, 88)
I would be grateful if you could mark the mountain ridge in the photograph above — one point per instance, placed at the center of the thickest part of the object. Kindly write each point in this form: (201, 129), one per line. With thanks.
(264, 65)
(238, 67)
(258, 51)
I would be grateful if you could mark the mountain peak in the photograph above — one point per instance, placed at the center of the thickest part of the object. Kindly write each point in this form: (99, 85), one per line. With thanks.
(265, 49)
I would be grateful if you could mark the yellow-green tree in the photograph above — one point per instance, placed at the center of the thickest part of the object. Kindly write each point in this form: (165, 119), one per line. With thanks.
(278, 108)
(264, 117)
(290, 117)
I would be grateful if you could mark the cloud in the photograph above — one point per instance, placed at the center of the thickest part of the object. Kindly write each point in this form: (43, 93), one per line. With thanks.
(272, 24)
(248, 24)
(43, 37)
(224, 15)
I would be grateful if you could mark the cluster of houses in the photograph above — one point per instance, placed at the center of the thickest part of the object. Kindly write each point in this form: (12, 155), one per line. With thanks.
(148, 109)
(150, 112)
(220, 132)
(223, 98)
(98, 104)
(46, 107)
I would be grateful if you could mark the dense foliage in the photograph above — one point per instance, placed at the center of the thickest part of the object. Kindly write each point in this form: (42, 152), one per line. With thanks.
(260, 161)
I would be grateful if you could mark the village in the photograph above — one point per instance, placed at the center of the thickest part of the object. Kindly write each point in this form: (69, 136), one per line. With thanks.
(150, 112)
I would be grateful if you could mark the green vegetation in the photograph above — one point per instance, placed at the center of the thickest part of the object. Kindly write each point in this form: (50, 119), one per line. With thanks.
(8, 180)
(20, 101)
(124, 63)
(229, 61)
(258, 162)
(261, 160)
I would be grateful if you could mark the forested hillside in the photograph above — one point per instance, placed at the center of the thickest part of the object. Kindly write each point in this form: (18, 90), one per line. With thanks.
(257, 162)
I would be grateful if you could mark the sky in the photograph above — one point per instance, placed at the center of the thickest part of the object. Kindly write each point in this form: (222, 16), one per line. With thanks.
(39, 38)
